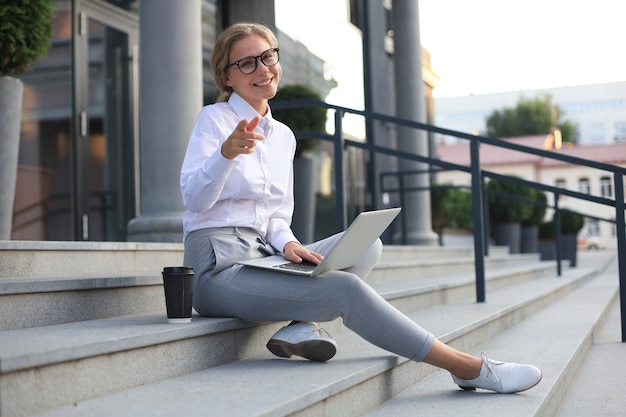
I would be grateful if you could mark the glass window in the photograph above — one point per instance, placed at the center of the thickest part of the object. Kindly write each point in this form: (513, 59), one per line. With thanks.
(592, 227)
(606, 187)
(583, 186)
(43, 193)
(620, 131)
(597, 133)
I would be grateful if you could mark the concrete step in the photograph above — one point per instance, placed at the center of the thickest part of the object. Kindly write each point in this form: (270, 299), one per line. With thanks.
(598, 389)
(555, 339)
(438, 266)
(94, 359)
(404, 252)
(99, 289)
(35, 302)
(36, 259)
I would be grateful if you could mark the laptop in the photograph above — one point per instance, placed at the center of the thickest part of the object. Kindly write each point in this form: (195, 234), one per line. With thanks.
(357, 239)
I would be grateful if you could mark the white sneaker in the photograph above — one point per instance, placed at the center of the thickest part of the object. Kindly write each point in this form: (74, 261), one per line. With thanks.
(502, 377)
(303, 339)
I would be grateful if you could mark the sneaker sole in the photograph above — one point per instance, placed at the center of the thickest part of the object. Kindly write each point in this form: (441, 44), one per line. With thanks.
(470, 388)
(314, 350)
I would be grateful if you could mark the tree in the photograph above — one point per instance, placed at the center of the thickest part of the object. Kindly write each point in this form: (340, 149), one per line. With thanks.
(530, 117)
(25, 30)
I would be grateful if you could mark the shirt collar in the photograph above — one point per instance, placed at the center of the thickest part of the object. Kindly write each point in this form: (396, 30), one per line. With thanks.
(244, 110)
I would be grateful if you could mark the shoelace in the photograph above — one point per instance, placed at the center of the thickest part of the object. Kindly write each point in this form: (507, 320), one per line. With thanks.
(490, 366)
(319, 331)
(322, 332)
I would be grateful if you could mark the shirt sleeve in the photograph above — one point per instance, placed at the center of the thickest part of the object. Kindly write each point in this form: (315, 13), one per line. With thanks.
(205, 170)
(279, 231)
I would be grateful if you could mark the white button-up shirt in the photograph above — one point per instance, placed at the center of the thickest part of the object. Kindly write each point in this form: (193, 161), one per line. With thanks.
(254, 190)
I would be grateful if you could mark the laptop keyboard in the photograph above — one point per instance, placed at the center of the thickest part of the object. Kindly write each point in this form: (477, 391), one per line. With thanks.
(305, 266)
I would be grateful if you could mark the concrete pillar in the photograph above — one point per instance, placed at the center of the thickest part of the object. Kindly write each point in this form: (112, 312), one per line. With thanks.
(410, 104)
(379, 95)
(170, 99)
(11, 96)
(380, 98)
(234, 11)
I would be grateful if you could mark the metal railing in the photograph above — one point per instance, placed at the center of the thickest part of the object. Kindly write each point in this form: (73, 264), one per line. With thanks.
(478, 175)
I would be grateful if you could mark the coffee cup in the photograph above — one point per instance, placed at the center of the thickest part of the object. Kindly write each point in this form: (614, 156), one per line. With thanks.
(178, 286)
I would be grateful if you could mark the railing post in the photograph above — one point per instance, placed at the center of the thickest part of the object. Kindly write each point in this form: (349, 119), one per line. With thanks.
(557, 234)
(486, 231)
(477, 218)
(340, 183)
(402, 204)
(620, 226)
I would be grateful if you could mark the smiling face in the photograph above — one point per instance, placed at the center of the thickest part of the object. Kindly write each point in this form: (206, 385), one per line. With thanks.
(260, 86)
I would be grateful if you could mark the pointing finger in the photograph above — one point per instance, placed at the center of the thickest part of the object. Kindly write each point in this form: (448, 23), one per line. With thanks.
(253, 124)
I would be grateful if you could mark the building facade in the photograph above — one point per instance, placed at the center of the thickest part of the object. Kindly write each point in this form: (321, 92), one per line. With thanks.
(80, 174)
(551, 172)
(107, 114)
(598, 110)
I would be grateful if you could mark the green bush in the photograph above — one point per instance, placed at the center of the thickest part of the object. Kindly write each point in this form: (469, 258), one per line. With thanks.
(25, 30)
(538, 210)
(450, 207)
(546, 230)
(503, 205)
(571, 222)
(301, 118)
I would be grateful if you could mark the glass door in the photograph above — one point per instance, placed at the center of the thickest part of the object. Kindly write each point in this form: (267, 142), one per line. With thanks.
(105, 120)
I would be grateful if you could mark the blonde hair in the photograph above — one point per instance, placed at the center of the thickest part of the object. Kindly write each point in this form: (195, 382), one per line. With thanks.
(225, 44)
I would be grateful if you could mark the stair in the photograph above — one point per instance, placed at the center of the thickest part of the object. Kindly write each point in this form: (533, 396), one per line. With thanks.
(83, 332)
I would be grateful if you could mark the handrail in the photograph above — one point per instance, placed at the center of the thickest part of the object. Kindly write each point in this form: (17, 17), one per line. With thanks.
(477, 174)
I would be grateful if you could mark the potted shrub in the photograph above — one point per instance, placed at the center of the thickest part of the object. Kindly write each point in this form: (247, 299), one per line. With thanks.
(302, 119)
(440, 208)
(571, 224)
(546, 241)
(25, 30)
(506, 212)
(530, 226)
(450, 209)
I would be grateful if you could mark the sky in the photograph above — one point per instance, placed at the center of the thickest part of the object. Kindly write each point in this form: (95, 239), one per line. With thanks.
(479, 46)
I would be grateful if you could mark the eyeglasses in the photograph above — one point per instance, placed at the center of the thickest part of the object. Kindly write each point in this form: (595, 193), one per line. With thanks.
(249, 64)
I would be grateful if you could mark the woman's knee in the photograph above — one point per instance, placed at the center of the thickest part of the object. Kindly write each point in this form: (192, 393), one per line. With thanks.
(376, 250)
(346, 287)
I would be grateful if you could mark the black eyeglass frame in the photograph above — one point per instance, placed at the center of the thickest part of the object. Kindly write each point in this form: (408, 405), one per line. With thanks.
(256, 61)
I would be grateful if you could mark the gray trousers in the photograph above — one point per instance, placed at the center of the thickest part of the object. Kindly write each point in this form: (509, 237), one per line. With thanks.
(226, 289)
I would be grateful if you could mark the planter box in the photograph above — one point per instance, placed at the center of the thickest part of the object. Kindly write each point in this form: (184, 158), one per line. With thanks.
(569, 250)
(530, 239)
(508, 234)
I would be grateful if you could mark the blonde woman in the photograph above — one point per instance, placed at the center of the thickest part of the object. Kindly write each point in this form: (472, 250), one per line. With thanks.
(236, 183)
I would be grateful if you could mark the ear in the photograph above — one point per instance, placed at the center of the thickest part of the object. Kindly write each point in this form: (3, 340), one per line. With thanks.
(228, 82)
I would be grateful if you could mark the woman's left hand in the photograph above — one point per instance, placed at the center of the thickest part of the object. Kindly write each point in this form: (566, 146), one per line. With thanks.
(297, 253)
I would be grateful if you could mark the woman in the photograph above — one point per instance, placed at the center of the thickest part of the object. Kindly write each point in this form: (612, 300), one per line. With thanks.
(236, 183)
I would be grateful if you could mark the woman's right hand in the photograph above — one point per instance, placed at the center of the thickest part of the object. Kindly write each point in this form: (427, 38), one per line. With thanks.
(242, 140)
(295, 252)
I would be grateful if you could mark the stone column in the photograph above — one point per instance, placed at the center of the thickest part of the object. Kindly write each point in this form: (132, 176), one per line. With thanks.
(233, 11)
(410, 104)
(170, 98)
(11, 96)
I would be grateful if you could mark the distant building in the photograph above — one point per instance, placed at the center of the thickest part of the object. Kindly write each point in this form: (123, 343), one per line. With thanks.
(550, 172)
(598, 110)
